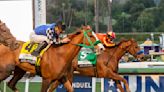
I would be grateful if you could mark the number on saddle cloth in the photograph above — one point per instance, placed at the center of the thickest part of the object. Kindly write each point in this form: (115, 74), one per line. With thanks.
(86, 57)
(25, 54)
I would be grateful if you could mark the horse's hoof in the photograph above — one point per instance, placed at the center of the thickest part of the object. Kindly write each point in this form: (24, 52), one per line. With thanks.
(16, 91)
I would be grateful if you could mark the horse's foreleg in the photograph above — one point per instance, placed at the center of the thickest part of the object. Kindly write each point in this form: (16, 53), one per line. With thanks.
(119, 86)
(63, 80)
(67, 81)
(68, 86)
(53, 86)
(18, 74)
(45, 84)
(116, 76)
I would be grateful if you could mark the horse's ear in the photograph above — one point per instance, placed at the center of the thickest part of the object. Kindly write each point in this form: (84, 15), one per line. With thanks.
(126, 44)
(132, 39)
(123, 39)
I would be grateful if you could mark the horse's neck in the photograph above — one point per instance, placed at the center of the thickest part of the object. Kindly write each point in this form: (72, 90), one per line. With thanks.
(71, 49)
(116, 52)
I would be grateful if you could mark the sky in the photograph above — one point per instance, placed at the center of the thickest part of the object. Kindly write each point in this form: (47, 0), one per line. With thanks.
(17, 15)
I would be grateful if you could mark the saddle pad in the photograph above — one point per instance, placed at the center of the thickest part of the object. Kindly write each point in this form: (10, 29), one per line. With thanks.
(86, 57)
(25, 54)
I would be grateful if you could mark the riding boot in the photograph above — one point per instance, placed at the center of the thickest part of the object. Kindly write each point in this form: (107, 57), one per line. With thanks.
(40, 47)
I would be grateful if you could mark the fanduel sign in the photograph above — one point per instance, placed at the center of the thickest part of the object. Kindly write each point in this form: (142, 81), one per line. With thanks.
(138, 83)
(80, 84)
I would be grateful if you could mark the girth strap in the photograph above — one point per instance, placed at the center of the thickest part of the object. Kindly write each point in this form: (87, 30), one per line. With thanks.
(95, 71)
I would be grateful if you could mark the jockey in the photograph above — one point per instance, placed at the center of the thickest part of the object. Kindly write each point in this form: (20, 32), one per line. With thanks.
(48, 34)
(107, 39)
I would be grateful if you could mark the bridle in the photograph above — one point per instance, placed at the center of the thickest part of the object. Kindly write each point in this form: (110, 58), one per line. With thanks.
(86, 37)
(137, 53)
(125, 50)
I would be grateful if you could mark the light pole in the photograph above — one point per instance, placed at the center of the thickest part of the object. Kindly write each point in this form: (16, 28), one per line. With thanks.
(152, 38)
(63, 7)
(110, 15)
(96, 6)
(157, 2)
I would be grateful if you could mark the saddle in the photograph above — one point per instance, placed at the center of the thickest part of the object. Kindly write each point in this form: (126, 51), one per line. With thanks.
(27, 49)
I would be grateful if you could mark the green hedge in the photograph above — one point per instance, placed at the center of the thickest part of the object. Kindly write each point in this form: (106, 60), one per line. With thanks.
(141, 70)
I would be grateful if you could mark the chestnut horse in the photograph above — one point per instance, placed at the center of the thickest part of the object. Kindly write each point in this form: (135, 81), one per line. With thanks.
(106, 67)
(107, 64)
(55, 60)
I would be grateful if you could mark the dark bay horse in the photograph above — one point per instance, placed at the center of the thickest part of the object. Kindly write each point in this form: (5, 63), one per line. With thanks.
(106, 67)
(55, 61)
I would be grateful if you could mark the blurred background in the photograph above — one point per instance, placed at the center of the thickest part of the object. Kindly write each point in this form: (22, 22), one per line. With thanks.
(139, 19)
(142, 20)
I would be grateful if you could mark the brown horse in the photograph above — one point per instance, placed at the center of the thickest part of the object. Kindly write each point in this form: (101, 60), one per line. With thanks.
(107, 63)
(106, 67)
(6, 57)
(55, 60)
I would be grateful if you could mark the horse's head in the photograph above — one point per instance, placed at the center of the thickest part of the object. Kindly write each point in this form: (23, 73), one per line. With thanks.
(92, 38)
(132, 47)
(6, 38)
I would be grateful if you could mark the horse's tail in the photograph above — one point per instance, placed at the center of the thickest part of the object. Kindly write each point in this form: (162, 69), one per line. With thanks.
(6, 38)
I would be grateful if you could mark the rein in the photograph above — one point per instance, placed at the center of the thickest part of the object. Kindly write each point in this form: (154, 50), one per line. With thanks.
(111, 57)
(89, 40)
(125, 50)
(137, 53)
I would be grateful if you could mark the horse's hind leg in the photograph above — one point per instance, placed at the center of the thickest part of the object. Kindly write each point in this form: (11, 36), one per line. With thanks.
(18, 74)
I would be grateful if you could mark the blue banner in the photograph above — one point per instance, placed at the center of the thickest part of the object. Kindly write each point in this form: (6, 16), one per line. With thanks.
(138, 83)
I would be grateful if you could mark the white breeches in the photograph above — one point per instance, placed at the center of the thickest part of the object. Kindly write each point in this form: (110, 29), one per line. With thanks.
(38, 38)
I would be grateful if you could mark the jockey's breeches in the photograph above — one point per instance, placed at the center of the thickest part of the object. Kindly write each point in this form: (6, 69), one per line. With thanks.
(38, 38)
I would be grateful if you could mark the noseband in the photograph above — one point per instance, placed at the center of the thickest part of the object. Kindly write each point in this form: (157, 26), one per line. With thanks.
(137, 53)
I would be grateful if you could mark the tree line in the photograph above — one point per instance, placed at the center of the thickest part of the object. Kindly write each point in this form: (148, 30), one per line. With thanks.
(125, 15)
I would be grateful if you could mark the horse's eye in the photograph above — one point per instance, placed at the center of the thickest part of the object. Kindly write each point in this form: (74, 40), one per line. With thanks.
(91, 36)
(136, 47)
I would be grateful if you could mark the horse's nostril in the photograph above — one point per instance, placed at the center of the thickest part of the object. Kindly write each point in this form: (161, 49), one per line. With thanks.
(101, 48)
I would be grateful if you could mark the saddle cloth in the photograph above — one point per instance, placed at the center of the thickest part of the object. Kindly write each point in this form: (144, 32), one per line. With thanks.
(86, 57)
(25, 54)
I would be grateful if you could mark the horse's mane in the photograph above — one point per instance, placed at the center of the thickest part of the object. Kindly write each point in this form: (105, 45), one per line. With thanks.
(6, 38)
(125, 40)
(72, 35)
(78, 31)
(122, 41)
